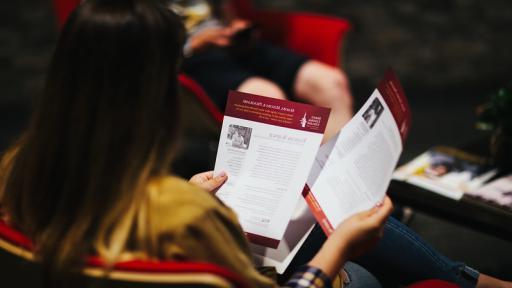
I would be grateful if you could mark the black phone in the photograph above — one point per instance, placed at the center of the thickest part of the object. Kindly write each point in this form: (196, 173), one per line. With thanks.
(245, 35)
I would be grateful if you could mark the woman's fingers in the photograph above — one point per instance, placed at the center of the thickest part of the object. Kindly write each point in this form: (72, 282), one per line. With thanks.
(208, 181)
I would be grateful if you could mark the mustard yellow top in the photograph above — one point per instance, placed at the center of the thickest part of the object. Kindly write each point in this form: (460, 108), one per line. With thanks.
(184, 222)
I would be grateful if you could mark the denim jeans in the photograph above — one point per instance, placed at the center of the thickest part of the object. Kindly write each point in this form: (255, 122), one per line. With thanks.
(358, 277)
(401, 257)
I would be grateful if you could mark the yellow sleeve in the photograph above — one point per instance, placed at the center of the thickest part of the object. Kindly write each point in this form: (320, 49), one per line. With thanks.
(195, 226)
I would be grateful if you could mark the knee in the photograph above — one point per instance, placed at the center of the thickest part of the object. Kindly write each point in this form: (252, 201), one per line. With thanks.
(263, 87)
(341, 85)
(322, 84)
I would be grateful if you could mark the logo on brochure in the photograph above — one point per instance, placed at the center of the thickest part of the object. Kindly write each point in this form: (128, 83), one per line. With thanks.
(303, 121)
(312, 122)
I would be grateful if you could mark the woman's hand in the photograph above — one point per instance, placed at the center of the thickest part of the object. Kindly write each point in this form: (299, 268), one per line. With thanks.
(352, 238)
(363, 230)
(209, 183)
(216, 36)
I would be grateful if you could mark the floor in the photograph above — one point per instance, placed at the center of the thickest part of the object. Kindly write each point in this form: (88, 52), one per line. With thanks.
(449, 55)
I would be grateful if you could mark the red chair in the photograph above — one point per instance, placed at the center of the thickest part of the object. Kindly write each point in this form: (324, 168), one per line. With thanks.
(62, 10)
(317, 36)
(18, 269)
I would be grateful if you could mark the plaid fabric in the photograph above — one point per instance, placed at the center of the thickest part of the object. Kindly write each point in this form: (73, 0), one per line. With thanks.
(308, 276)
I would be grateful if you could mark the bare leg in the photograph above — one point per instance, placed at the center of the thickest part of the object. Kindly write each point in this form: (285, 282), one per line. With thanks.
(485, 281)
(326, 86)
(261, 86)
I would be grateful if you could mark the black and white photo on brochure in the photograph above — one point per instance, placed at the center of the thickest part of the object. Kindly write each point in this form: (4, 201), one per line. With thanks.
(373, 112)
(239, 136)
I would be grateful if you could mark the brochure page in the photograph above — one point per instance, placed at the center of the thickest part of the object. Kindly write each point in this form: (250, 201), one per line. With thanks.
(358, 170)
(300, 225)
(267, 147)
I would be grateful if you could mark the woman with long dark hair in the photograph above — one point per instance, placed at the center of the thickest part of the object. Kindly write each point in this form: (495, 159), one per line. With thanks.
(91, 173)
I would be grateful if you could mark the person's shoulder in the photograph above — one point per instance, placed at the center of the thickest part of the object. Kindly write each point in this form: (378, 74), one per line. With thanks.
(173, 204)
(177, 189)
(173, 194)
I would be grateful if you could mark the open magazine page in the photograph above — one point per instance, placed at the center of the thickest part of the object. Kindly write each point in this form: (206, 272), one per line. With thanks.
(497, 192)
(267, 147)
(447, 171)
(300, 226)
(359, 169)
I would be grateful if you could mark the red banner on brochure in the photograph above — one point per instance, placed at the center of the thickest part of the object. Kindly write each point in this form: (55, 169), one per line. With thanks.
(317, 211)
(262, 240)
(277, 112)
(393, 93)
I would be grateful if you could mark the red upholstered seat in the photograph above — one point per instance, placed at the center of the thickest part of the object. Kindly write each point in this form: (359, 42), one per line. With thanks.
(20, 270)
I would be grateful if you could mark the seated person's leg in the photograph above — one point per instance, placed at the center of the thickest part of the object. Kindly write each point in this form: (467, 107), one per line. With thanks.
(217, 72)
(327, 86)
(355, 276)
(306, 80)
(275, 72)
(261, 86)
(403, 257)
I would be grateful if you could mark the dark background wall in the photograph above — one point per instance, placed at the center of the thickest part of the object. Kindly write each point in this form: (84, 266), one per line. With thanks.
(449, 55)
(431, 43)
(27, 38)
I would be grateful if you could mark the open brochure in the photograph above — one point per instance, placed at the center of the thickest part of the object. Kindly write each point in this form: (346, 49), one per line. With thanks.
(267, 147)
(299, 227)
(359, 168)
(268, 172)
(447, 171)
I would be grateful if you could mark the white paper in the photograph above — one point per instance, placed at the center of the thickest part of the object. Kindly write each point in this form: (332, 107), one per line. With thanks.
(359, 169)
(300, 225)
(267, 165)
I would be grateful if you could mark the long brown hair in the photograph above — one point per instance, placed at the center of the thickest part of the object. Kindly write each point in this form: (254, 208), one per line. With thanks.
(106, 124)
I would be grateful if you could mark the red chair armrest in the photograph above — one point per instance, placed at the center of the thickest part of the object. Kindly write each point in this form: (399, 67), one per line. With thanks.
(14, 236)
(201, 95)
(433, 284)
(63, 9)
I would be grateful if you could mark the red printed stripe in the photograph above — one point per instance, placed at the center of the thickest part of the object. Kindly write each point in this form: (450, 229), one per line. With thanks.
(317, 211)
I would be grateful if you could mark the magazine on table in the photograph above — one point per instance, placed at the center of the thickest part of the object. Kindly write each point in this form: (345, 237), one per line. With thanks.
(447, 171)
(497, 192)
(271, 152)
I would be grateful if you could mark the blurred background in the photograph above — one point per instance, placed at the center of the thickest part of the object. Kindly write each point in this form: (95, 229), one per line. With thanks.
(450, 55)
